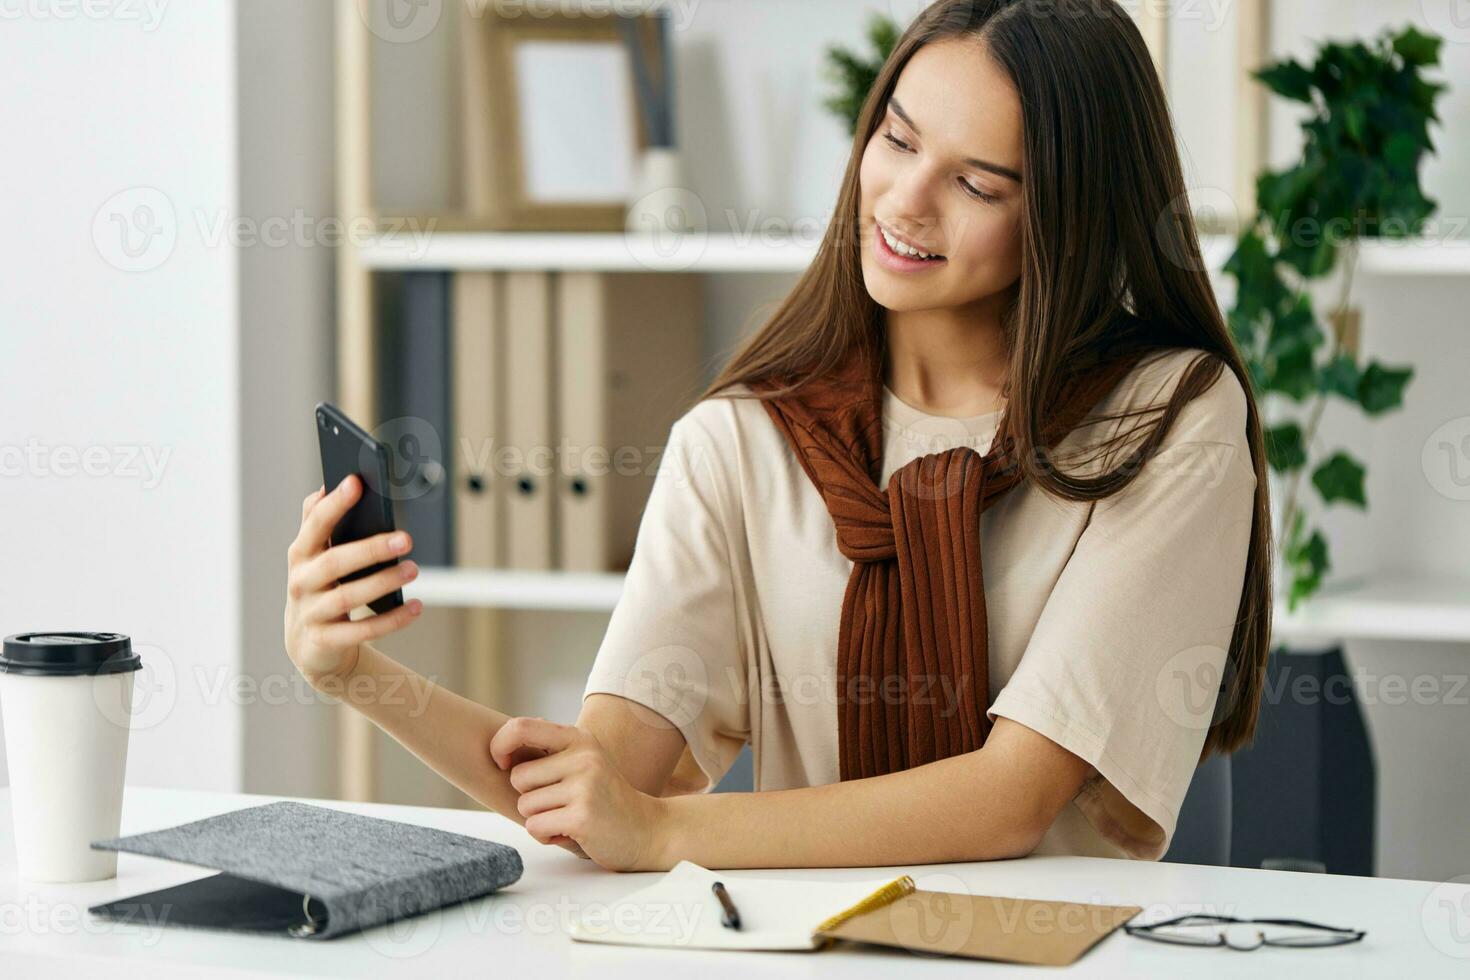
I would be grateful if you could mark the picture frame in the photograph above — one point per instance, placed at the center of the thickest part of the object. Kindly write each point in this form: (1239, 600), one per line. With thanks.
(544, 92)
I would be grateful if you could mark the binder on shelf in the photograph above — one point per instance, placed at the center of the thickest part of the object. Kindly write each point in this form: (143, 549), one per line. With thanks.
(628, 365)
(415, 423)
(527, 466)
(477, 348)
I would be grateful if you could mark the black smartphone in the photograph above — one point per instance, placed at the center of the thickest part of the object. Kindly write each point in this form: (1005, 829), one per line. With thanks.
(346, 449)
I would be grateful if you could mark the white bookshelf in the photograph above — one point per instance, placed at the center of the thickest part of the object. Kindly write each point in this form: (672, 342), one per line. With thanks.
(727, 252)
(1392, 607)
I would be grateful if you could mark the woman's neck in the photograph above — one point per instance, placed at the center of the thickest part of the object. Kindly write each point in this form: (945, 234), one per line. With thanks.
(946, 362)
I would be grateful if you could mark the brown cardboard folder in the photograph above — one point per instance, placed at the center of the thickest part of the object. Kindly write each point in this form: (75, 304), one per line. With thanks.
(1015, 930)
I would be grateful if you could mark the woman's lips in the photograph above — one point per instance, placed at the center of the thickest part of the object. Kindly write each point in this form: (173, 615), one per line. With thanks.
(890, 259)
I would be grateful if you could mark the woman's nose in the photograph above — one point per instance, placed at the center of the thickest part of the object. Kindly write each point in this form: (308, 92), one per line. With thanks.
(911, 200)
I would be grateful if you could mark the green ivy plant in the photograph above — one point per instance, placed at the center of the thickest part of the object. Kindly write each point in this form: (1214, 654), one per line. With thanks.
(855, 74)
(1366, 132)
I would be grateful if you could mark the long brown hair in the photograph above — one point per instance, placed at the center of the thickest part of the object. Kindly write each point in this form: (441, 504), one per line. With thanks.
(1110, 262)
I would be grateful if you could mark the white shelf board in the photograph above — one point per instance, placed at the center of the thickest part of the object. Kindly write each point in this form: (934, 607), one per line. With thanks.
(589, 251)
(502, 589)
(1403, 608)
(1388, 607)
(1382, 257)
(761, 252)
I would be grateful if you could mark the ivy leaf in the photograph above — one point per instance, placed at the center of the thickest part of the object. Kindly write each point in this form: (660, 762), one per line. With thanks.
(1382, 388)
(1341, 377)
(1285, 449)
(1340, 478)
(1308, 559)
(1288, 79)
(1416, 48)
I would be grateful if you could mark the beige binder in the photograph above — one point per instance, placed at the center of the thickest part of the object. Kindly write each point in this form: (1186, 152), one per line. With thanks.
(476, 352)
(527, 465)
(629, 350)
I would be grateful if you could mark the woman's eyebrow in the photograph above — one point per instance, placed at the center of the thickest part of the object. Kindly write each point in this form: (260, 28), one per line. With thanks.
(994, 168)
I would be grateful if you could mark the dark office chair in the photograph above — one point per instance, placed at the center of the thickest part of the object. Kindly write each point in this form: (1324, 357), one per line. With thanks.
(1203, 833)
(741, 776)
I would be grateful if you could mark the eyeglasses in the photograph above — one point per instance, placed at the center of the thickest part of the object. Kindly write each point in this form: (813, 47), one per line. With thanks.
(1213, 930)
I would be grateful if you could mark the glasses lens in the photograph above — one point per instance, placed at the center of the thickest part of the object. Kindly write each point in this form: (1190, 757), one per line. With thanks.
(1188, 933)
(1299, 936)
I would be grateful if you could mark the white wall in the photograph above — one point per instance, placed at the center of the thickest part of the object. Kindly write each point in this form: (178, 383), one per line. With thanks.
(103, 116)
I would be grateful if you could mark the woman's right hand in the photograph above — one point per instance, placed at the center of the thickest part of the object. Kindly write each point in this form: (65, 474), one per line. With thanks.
(321, 640)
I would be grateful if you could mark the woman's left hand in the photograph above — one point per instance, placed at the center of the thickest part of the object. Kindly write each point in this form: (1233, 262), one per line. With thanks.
(576, 792)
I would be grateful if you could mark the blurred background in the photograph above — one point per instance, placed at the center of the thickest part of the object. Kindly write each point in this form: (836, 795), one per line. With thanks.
(478, 228)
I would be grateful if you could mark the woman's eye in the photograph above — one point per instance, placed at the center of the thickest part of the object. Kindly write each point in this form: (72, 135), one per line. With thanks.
(976, 192)
(896, 141)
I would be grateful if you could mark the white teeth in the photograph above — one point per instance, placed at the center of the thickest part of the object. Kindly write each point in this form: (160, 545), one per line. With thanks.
(901, 248)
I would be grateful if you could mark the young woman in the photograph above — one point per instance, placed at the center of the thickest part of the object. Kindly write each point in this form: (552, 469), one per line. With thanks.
(1051, 385)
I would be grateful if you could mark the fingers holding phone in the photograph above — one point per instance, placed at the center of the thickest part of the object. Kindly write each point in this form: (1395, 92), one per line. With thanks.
(321, 638)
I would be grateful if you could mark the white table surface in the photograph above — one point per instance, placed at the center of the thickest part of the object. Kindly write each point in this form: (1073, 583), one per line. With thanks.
(1418, 929)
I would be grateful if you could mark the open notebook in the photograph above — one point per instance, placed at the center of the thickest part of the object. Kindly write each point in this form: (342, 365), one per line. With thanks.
(680, 910)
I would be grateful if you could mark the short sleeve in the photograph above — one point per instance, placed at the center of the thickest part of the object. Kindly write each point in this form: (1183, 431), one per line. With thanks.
(1124, 665)
(674, 642)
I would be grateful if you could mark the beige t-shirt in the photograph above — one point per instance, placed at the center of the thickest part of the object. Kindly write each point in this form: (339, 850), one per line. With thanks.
(1108, 622)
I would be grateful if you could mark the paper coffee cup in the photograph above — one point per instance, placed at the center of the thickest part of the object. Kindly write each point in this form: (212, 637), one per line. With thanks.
(66, 699)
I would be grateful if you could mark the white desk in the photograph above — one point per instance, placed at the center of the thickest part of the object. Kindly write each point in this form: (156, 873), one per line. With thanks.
(1418, 929)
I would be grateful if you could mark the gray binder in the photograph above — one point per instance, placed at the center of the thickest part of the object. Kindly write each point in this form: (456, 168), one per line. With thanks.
(293, 869)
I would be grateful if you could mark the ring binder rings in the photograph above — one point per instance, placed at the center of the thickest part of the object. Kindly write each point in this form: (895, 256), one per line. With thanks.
(310, 872)
(310, 925)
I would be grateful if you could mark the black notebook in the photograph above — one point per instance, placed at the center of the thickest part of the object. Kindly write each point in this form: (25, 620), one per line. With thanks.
(294, 869)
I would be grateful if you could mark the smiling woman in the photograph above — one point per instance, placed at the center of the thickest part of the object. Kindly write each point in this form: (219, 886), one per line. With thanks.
(1005, 345)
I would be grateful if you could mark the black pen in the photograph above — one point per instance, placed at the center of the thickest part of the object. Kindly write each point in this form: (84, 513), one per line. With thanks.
(731, 918)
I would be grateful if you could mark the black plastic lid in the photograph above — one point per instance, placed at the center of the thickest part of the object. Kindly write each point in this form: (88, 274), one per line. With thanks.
(61, 653)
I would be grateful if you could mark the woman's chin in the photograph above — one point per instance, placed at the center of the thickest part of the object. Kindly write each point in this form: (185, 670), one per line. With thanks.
(892, 292)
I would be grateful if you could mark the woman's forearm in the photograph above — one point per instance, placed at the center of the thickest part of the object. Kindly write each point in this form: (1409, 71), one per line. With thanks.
(926, 815)
(449, 733)
(985, 805)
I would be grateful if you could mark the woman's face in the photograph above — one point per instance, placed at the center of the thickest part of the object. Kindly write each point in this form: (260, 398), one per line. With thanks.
(943, 172)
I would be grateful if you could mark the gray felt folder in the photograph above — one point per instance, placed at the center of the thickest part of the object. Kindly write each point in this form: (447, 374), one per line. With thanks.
(309, 871)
